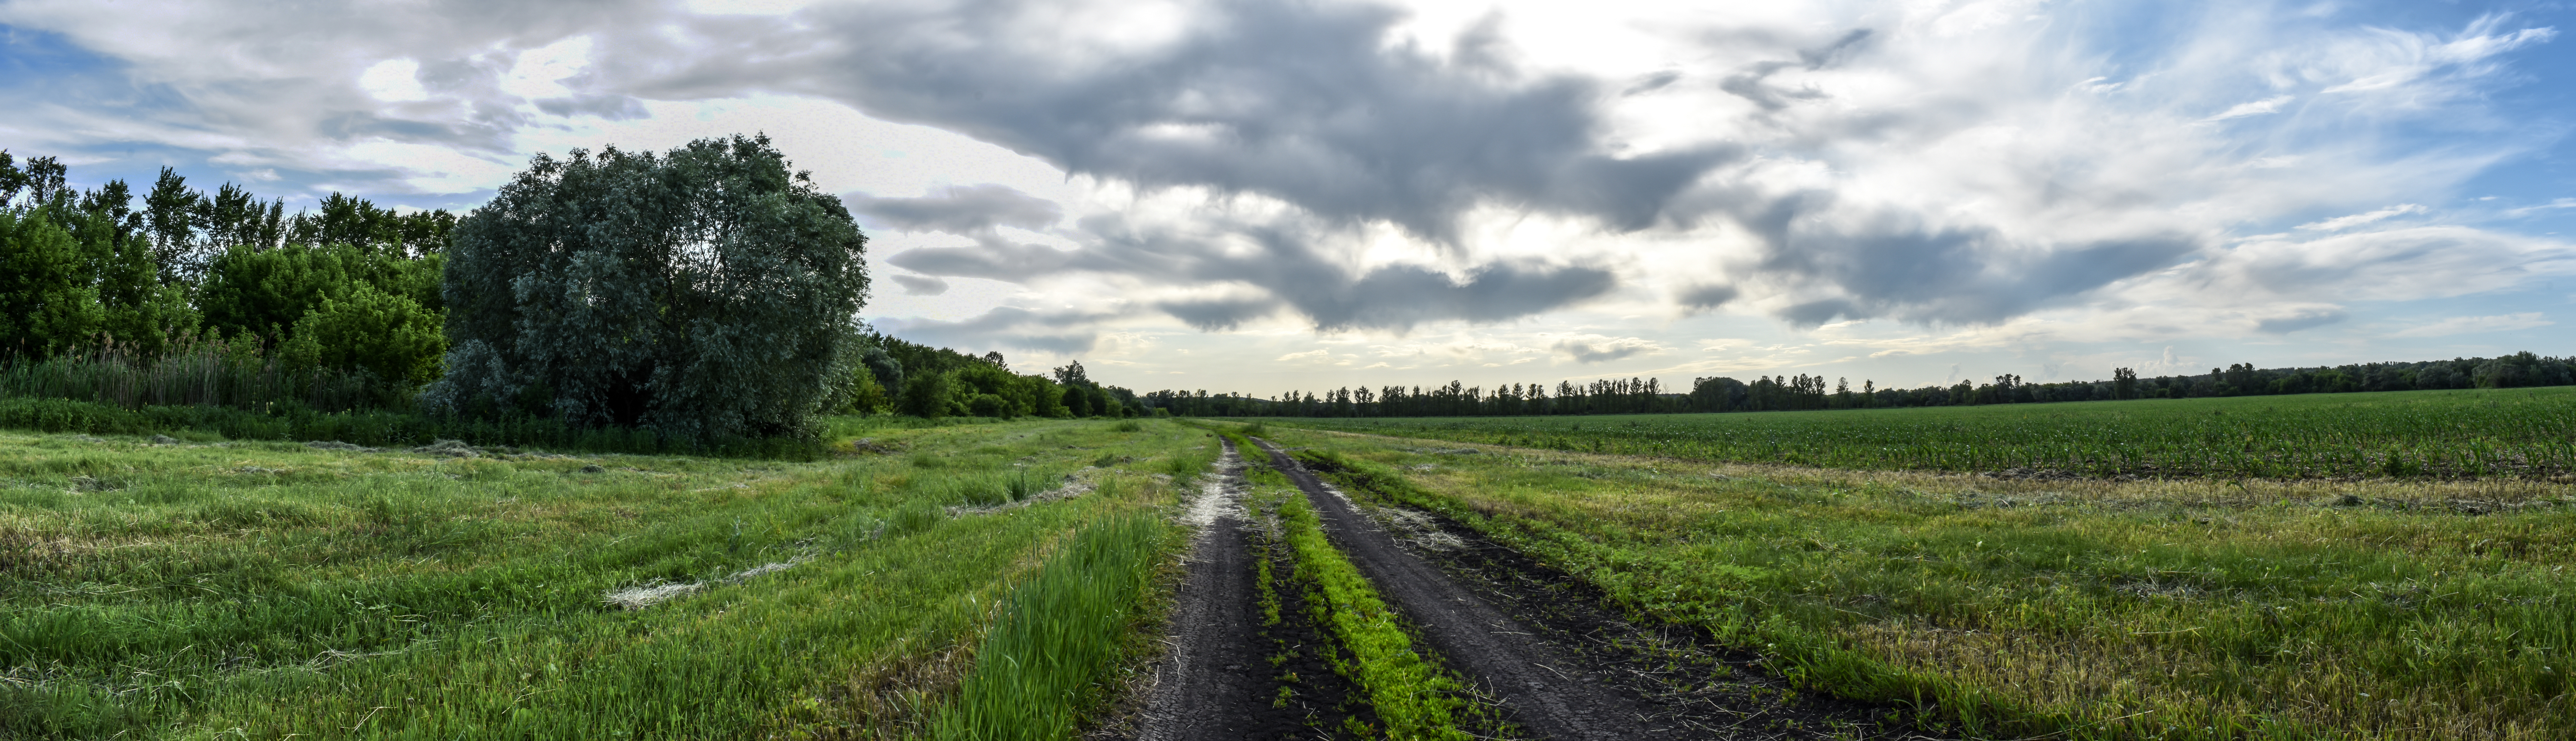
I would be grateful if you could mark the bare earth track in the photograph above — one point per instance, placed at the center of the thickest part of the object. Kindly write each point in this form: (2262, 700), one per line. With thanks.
(1563, 669)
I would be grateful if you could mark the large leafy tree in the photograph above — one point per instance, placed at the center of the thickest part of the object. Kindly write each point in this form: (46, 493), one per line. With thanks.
(702, 293)
(46, 304)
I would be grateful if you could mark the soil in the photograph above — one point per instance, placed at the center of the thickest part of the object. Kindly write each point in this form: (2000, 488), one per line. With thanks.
(1496, 614)
(1218, 679)
(1537, 642)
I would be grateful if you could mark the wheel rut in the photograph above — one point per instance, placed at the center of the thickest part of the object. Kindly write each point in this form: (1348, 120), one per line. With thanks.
(1549, 692)
(1225, 675)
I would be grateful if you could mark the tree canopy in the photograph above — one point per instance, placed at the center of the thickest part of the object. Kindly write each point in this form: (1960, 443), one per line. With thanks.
(704, 293)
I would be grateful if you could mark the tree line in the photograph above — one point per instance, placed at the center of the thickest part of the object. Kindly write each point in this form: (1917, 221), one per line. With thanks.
(1805, 392)
(689, 297)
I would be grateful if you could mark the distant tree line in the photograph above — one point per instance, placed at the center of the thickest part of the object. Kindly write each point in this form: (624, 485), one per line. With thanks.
(1802, 391)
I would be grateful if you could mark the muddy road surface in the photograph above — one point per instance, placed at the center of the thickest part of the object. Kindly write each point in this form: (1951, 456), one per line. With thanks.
(1533, 642)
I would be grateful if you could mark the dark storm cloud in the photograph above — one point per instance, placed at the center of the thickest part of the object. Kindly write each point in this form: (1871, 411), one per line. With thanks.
(969, 210)
(1872, 263)
(1006, 326)
(1588, 352)
(920, 285)
(1283, 263)
(1708, 296)
(1306, 102)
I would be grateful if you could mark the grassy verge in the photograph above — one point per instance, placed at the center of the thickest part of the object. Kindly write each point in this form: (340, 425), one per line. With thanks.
(269, 590)
(1045, 660)
(1413, 697)
(2400, 434)
(2180, 609)
(365, 427)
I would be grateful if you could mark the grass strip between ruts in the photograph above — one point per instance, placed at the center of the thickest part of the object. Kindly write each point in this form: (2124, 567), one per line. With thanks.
(1412, 695)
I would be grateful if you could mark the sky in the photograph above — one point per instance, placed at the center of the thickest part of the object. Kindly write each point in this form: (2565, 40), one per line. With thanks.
(1258, 197)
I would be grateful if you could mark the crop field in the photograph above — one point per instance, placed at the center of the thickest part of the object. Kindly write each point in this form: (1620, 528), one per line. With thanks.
(2020, 608)
(978, 581)
(2448, 434)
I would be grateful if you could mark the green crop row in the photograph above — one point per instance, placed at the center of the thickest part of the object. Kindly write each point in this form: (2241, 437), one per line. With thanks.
(2447, 434)
(1414, 697)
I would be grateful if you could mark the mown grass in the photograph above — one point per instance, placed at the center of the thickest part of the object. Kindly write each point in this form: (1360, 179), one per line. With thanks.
(1413, 697)
(2402, 434)
(268, 590)
(2178, 609)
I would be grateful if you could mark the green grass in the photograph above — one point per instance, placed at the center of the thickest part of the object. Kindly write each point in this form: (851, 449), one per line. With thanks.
(2181, 609)
(1042, 665)
(2512, 432)
(265, 590)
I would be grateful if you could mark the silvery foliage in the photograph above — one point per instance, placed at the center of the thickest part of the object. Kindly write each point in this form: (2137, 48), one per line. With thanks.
(704, 293)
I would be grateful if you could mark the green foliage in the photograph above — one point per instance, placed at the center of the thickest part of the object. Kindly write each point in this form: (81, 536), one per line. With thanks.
(47, 304)
(389, 336)
(925, 395)
(703, 293)
(1050, 655)
(2519, 432)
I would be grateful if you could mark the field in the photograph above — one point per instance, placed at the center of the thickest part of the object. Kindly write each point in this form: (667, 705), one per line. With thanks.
(2161, 609)
(1010, 580)
(2451, 434)
(983, 577)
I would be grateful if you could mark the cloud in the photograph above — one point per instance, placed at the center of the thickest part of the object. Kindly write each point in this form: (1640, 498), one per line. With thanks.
(2460, 325)
(2387, 265)
(1063, 332)
(1286, 263)
(920, 285)
(1593, 348)
(968, 210)
(2295, 321)
(2341, 223)
(1315, 104)
(2262, 107)
(1707, 296)
(1317, 355)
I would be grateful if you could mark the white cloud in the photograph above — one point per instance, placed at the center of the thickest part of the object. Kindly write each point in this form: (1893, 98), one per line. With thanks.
(2341, 223)
(2460, 325)
(2262, 107)
(393, 80)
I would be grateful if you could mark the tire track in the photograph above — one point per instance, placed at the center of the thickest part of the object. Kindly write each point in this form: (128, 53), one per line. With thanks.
(1545, 690)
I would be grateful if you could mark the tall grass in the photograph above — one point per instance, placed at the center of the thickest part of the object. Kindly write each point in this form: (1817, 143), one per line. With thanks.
(208, 373)
(1043, 662)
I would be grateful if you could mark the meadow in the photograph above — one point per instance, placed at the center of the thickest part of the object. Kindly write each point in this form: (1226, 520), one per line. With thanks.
(2448, 434)
(975, 581)
(2183, 608)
